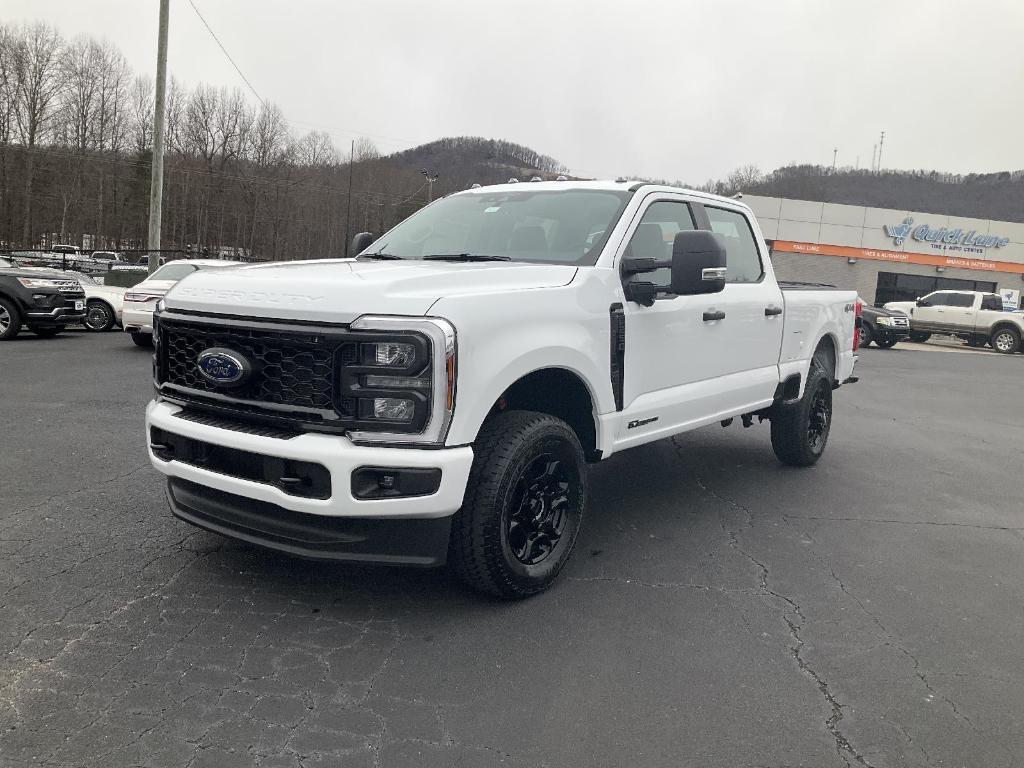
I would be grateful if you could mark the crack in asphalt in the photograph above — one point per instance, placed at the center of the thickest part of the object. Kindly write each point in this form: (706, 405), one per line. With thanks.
(936, 523)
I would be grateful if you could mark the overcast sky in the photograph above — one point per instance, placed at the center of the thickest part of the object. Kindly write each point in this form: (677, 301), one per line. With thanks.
(677, 89)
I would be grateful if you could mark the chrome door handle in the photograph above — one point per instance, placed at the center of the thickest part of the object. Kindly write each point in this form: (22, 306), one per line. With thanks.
(772, 311)
(709, 316)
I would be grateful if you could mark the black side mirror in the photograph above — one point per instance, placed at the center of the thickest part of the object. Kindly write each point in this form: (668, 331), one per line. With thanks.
(698, 262)
(923, 303)
(361, 242)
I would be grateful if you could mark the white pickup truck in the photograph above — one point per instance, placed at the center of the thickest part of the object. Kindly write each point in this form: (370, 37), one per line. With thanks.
(976, 316)
(437, 397)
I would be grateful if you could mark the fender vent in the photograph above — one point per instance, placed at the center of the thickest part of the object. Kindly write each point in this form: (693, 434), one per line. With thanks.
(618, 352)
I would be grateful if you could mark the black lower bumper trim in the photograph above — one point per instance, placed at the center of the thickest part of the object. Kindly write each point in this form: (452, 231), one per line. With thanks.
(407, 541)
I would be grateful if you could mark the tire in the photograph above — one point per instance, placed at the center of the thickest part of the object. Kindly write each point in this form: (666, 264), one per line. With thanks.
(142, 339)
(524, 504)
(1006, 340)
(10, 320)
(46, 333)
(919, 337)
(800, 430)
(99, 317)
(867, 335)
(886, 342)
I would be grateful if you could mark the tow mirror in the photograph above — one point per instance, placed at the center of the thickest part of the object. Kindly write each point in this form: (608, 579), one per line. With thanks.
(361, 242)
(923, 303)
(698, 262)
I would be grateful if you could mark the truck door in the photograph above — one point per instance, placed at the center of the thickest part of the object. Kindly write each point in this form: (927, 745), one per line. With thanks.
(695, 359)
(929, 313)
(959, 314)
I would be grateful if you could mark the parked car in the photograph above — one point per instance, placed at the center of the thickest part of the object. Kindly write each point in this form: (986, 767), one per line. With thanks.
(107, 256)
(103, 303)
(972, 315)
(882, 327)
(44, 303)
(438, 396)
(140, 300)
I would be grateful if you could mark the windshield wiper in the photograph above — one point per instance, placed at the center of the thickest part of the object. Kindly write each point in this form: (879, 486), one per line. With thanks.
(381, 256)
(464, 257)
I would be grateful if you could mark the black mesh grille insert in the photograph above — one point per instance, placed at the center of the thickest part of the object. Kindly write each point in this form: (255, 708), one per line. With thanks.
(296, 369)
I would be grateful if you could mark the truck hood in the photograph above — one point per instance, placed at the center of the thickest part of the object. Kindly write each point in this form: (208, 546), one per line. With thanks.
(901, 307)
(339, 291)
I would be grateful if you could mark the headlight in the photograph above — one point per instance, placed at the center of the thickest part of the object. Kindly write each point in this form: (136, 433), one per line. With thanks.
(35, 282)
(143, 298)
(884, 321)
(160, 305)
(402, 380)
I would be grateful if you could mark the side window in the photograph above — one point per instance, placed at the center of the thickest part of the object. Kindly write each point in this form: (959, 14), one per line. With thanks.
(936, 300)
(655, 234)
(960, 299)
(991, 301)
(742, 259)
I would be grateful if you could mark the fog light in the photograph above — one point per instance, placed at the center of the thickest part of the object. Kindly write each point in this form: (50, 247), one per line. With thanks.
(393, 409)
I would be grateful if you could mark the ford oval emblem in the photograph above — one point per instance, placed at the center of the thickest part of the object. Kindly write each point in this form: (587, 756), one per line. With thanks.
(223, 368)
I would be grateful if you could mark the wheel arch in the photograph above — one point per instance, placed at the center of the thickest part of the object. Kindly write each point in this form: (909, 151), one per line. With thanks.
(558, 391)
(827, 352)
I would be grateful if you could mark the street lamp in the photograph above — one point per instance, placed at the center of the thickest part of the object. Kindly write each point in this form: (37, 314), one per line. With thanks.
(431, 177)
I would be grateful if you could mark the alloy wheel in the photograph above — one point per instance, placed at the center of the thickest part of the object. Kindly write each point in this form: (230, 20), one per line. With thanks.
(539, 510)
(818, 419)
(1003, 341)
(5, 319)
(96, 317)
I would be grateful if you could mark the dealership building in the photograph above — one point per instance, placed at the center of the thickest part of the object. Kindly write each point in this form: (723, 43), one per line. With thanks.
(890, 255)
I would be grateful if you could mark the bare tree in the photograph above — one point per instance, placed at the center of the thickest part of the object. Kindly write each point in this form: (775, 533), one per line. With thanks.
(140, 106)
(316, 149)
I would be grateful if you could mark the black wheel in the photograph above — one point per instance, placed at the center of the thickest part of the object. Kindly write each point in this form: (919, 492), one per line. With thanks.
(919, 337)
(98, 316)
(800, 430)
(46, 333)
(866, 334)
(1006, 340)
(10, 320)
(524, 504)
(886, 342)
(142, 339)
(977, 341)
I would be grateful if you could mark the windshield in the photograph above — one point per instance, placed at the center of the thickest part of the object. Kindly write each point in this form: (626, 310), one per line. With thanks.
(173, 271)
(547, 226)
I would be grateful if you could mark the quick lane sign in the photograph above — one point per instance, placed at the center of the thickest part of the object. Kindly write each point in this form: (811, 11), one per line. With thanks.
(944, 238)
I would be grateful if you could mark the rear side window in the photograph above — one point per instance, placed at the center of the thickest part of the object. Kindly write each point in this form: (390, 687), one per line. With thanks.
(743, 262)
(991, 301)
(959, 300)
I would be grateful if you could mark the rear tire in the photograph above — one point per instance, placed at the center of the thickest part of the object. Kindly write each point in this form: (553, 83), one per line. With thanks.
(142, 339)
(10, 320)
(919, 337)
(1006, 340)
(800, 430)
(524, 504)
(866, 335)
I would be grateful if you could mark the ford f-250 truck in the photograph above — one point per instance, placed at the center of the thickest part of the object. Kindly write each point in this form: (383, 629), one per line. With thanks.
(973, 315)
(438, 396)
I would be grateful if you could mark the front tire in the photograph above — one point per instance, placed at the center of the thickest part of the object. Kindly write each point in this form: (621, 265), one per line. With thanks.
(886, 342)
(99, 316)
(800, 430)
(10, 320)
(142, 339)
(46, 333)
(523, 507)
(1006, 340)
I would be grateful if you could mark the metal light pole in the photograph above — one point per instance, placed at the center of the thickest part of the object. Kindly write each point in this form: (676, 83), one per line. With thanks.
(156, 187)
(348, 214)
(881, 143)
(835, 152)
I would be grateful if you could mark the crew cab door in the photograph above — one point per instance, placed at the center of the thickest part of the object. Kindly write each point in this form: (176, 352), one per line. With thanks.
(697, 359)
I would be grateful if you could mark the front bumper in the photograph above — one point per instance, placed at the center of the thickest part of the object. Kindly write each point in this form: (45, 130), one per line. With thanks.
(137, 320)
(56, 310)
(336, 453)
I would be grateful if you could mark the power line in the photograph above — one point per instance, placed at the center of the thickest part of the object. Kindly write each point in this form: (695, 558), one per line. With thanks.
(228, 55)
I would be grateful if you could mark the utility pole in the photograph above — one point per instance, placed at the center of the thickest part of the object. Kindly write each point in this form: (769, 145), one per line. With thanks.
(874, 151)
(881, 144)
(431, 177)
(348, 215)
(835, 152)
(156, 184)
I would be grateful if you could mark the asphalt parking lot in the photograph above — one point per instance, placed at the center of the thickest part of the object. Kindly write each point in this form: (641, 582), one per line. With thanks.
(720, 610)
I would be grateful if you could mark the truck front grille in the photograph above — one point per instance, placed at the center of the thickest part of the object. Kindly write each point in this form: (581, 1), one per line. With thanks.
(900, 321)
(69, 286)
(293, 370)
